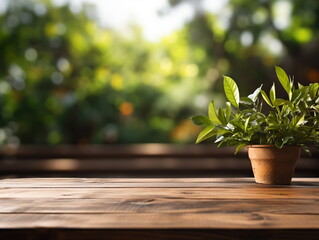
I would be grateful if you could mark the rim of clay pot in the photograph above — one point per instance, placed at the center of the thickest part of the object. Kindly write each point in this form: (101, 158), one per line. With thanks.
(268, 146)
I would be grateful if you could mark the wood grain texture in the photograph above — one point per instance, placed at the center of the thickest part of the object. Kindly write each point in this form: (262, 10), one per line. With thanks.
(178, 208)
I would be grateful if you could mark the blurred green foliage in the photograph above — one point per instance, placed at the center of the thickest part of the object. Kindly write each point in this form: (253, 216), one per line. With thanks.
(64, 79)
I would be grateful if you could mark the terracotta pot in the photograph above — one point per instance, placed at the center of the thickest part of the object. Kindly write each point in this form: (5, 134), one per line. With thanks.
(272, 165)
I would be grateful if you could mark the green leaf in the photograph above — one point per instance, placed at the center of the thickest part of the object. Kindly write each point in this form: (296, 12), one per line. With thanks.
(300, 121)
(300, 95)
(221, 138)
(286, 139)
(238, 124)
(221, 116)
(231, 91)
(247, 102)
(279, 102)
(239, 147)
(293, 122)
(228, 111)
(313, 90)
(306, 149)
(284, 80)
(221, 131)
(246, 124)
(300, 85)
(212, 113)
(279, 143)
(297, 95)
(201, 120)
(230, 126)
(272, 94)
(255, 94)
(266, 98)
(292, 87)
(206, 133)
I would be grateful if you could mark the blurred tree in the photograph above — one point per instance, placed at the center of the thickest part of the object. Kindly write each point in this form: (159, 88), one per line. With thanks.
(65, 79)
(246, 38)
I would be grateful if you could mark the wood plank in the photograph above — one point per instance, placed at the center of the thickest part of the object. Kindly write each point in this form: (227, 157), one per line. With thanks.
(197, 193)
(141, 180)
(160, 205)
(148, 182)
(124, 185)
(134, 180)
(161, 221)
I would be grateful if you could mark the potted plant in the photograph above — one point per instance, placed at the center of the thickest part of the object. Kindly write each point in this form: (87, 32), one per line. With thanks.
(274, 136)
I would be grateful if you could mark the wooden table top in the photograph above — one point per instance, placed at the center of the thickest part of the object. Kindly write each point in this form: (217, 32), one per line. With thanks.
(136, 204)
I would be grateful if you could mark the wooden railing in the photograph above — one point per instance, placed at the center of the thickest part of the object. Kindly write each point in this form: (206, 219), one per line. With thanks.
(136, 160)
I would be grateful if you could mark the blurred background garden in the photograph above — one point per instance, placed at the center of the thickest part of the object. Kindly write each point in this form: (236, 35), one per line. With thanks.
(135, 71)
